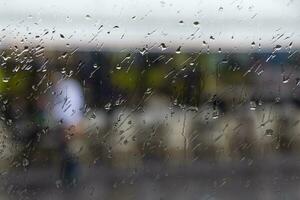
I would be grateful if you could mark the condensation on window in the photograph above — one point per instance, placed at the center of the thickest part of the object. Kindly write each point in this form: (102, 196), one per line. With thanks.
(152, 99)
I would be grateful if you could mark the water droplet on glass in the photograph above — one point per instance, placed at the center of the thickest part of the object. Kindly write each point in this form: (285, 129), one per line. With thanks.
(252, 105)
(143, 51)
(178, 50)
(134, 138)
(5, 79)
(88, 16)
(253, 44)
(68, 19)
(107, 106)
(269, 132)
(196, 23)
(297, 81)
(285, 79)
(118, 67)
(58, 183)
(163, 46)
(220, 9)
(181, 22)
(277, 47)
(93, 116)
(148, 91)
(128, 56)
(215, 114)
(25, 162)
(95, 66)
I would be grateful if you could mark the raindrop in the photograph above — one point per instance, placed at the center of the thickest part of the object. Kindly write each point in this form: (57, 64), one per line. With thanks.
(143, 51)
(221, 9)
(285, 79)
(196, 23)
(269, 132)
(178, 50)
(181, 22)
(95, 66)
(163, 46)
(93, 116)
(297, 81)
(25, 162)
(277, 47)
(212, 37)
(219, 50)
(118, 67)
(215, 114)
(107, 106)
(134, 138)
(253, 44)
(127, 56)
(148, 91)
(58, 183)
(88, 16)
(62, 36)
(5, 79)
(68, 19)
(252, 105)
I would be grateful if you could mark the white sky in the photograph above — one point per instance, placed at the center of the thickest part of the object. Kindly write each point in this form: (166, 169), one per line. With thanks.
(144, 22)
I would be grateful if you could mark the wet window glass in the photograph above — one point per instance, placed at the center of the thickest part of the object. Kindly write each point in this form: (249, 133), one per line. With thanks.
(161, 99)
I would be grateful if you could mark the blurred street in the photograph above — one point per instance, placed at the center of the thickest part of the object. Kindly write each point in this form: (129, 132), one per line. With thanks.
(273, 178)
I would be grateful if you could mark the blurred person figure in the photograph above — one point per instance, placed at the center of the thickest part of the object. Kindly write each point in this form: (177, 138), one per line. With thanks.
(239, 130)
(151, 140)
(122, 140)
(222, 135)
(66, 110)
(201, 136)
(178, 124)
(266, 120)
(287, 128)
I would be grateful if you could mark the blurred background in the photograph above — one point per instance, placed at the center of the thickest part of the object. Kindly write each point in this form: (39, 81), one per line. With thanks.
(149, 99)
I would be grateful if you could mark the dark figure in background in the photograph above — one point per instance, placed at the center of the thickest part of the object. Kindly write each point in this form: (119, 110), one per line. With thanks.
(66, 110)
(26, 123)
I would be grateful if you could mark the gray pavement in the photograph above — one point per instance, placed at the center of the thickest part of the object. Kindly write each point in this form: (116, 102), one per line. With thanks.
(273, 178)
